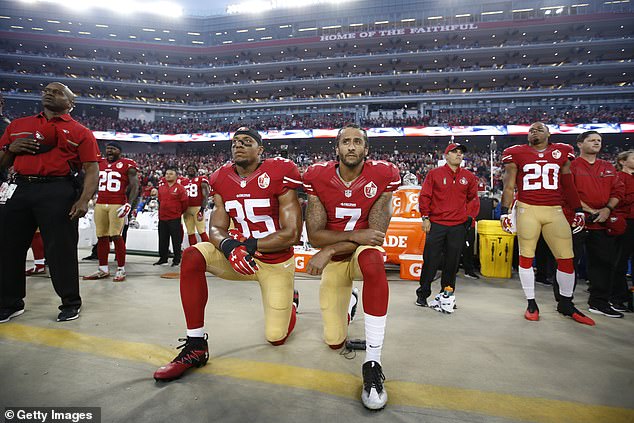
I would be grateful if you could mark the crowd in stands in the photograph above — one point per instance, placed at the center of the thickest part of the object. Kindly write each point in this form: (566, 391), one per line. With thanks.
(337, 120)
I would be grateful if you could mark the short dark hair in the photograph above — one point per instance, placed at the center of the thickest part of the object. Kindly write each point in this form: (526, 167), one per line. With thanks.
(171, 168)
(582, 137)
(355, 126)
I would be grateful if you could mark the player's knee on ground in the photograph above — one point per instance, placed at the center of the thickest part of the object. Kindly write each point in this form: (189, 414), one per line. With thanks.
(277, 311)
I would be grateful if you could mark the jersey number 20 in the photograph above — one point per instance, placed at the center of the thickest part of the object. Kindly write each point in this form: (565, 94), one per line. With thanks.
(537, 176)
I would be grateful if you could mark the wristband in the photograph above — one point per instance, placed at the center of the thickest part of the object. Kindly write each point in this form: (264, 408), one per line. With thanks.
(425, 217)
(579, 210)
(504, 210)
(607, 206)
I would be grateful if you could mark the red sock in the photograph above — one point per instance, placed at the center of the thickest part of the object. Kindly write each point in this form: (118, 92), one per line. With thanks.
(376, 291)
(204, 237)
(192, 239)
(193, 287)
(103, 249)
(119, 250)
(291, 326)
(38, 246)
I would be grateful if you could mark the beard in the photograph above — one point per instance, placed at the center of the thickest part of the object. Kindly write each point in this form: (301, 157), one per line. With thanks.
(352, 162)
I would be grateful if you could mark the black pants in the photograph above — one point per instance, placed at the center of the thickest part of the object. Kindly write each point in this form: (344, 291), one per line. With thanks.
(468, 256)
(43, 205)
(170, 229)
(624, 246)
(441, 239)
(601, 253)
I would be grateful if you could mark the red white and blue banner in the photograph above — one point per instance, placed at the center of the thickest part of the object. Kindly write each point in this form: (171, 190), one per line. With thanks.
(412, 131)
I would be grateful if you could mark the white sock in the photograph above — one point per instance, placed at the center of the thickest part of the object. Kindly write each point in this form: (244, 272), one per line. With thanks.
(566, 283)
(353, 301)
(39, 262)
(122, 269)
(104, 269)
(374, 334)
(527, 278)
(196, 333)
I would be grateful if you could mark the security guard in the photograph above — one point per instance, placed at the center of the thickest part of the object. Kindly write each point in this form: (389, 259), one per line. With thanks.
(47, 151)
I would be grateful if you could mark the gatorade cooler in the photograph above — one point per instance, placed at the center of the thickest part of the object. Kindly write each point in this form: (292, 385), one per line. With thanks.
(496, 249)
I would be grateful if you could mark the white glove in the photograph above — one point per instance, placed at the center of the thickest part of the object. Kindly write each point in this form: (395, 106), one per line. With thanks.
(579, 222)
(123, 210)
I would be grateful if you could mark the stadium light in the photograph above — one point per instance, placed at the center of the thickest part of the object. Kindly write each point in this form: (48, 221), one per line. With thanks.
(127, 7)
(259, 6)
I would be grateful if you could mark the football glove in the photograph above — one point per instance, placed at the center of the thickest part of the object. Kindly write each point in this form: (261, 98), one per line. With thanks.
(242, 262)
(238, 256)
(507, 223)
(578, 222)
(123, 210)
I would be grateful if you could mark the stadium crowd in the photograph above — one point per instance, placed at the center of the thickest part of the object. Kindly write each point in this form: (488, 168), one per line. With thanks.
(383, 119)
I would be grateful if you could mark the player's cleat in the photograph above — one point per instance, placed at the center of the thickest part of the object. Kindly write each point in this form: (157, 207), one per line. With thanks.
(160, 262)
(296, 300)
(472, 275)
(68, 314)
(195, 353)
(7, 314)
(91, 257)
(355, 294)
(37, 270)
(374, 395)
(119, 276)
(567, 308)
(532, 311)
(99, 274)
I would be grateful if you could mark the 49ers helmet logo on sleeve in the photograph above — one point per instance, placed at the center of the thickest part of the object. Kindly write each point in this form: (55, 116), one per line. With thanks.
(556, 154)
(370, 189)
(264, 180)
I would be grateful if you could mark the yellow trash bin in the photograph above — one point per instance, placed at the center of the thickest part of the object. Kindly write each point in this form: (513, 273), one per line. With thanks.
(496, 249)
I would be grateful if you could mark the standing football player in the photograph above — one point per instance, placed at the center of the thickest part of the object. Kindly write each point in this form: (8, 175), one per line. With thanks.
(198, 192)
(348, 212)
(260, 198)
(541, 173)
(118, 190)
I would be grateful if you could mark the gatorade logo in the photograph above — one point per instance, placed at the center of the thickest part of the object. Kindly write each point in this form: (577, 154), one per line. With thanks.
(415, 269)
(300, 264)
(395, 241)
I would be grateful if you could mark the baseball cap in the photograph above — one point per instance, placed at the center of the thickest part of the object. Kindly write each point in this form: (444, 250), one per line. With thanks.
(250, 132)
(454, 146)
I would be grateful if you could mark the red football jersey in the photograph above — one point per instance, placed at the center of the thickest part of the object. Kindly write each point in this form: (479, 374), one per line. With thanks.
(114, 181)
(538, 172)
(348, 207)
(194, 190)
(252, 202)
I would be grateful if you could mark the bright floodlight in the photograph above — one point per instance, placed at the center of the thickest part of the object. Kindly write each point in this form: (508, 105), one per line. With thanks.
(257, 6)
(126, 7)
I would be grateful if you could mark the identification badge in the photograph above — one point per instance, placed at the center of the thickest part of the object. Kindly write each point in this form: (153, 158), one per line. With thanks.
(6, 191)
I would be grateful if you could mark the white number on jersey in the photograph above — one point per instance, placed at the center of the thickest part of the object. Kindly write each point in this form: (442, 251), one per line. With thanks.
(537, 176)
(353, 214)
(248, 213)
(109, 181)
(192, 190)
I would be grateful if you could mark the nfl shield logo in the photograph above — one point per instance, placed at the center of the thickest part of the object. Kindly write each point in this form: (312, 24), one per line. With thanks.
(370, 190)
(348, 193)
(264, 180)
(243, 183)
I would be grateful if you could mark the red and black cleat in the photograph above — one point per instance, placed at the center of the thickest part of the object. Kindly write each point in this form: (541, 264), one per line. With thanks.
(195, 353)
(532, 311)
(567, 308)
(296, 300)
